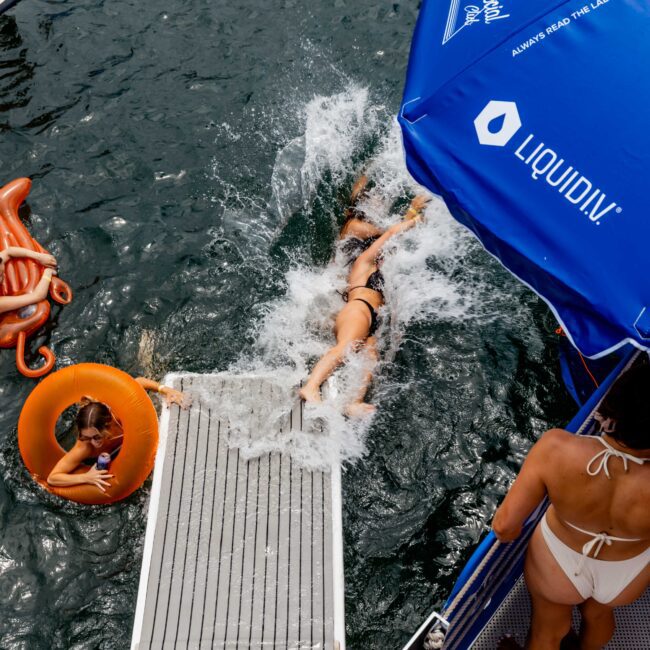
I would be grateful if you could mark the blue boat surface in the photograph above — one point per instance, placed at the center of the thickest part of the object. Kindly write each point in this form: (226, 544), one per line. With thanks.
(528, 119)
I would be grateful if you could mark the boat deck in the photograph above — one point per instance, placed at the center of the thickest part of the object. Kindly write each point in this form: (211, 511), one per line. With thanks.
(238, 553)
(513, 618)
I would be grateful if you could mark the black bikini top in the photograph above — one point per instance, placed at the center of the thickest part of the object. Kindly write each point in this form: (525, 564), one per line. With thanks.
(375, 282)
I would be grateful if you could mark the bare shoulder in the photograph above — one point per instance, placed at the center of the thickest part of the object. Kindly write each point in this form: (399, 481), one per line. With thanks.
(557, 435)
(559, 451)
(553, 447)
(80, 451)
(362, 264)
(552, 439)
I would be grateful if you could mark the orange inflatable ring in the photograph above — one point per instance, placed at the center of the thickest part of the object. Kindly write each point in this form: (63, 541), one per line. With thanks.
(130, 404)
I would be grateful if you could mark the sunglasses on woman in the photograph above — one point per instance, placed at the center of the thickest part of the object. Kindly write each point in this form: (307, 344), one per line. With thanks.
(97, 437)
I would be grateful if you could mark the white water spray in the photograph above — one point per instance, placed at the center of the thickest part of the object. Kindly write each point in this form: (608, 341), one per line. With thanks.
(421, 268)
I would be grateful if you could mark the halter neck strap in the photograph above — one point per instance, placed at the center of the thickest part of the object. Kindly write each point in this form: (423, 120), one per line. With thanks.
(602, 458)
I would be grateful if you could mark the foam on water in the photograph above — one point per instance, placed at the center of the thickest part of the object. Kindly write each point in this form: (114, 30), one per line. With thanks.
(335, 129)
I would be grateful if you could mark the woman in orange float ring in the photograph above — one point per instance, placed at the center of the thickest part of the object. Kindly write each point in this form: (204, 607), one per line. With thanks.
(119, 414)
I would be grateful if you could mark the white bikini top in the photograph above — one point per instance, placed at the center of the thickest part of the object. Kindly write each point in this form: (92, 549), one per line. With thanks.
(600, 539)
(606, 454)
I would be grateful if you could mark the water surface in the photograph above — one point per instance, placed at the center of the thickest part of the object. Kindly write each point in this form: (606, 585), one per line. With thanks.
(190, 164)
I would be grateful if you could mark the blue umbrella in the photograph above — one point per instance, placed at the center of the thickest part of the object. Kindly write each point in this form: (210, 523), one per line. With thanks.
(529, 119)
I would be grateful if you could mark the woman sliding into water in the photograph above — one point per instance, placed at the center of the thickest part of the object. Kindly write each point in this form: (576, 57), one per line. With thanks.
(357, 322)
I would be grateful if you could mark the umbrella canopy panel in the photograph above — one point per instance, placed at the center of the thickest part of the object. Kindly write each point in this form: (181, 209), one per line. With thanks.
(530, 122)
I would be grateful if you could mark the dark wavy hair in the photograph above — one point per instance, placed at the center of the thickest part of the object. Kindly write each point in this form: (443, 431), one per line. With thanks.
(94, 415)
(352, 247)
(628, 404)
(353, 212)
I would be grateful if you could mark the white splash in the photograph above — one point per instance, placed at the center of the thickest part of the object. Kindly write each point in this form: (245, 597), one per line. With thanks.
(424, 271)
(316, 436)
(169, 176)
(335, 129)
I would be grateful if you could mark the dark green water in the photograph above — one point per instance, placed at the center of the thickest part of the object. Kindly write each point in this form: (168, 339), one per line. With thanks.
(186, 157)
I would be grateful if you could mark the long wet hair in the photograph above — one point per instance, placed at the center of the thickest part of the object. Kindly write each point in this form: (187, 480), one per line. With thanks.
(352, 247)
(352, 212)
(94, 415)
(628, 406)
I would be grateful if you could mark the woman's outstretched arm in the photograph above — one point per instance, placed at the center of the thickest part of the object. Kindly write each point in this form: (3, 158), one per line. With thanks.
(62, 476)
(528, 490)
(42, 258)
(412, 217)
(9, 303)
(171, 395)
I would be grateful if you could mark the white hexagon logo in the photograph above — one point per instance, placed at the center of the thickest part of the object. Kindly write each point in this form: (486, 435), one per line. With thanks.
(502, 116)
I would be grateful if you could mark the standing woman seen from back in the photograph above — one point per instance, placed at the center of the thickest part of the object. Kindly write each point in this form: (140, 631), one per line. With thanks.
(592, 547)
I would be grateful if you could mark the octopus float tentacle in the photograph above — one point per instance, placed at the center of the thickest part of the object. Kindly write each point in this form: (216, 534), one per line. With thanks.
(60, 291)
(22, 365)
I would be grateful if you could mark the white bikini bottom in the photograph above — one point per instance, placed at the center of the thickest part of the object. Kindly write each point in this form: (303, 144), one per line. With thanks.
(601, 580)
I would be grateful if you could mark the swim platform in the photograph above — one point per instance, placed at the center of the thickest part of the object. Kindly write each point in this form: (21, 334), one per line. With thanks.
(238, 553)
(513, 617)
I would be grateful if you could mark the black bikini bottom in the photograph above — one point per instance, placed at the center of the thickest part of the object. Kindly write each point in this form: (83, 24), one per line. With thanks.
(375, 321)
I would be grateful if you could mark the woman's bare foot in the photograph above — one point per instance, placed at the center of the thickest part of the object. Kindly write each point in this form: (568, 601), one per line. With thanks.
(358, 188)
(310, 394)
(360, 409)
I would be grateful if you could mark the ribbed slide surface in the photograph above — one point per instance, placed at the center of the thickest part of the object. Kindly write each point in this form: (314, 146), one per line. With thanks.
(242, 550)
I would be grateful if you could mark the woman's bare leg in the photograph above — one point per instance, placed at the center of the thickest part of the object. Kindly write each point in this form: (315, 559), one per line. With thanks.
(358, 187)
(597, 625)
(326, 365)
(352, 325)
(550, 623)
(358, 407)
(553, 596)
(598, 621)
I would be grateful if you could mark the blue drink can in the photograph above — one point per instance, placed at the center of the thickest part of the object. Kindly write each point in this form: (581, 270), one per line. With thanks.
(103, 461)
